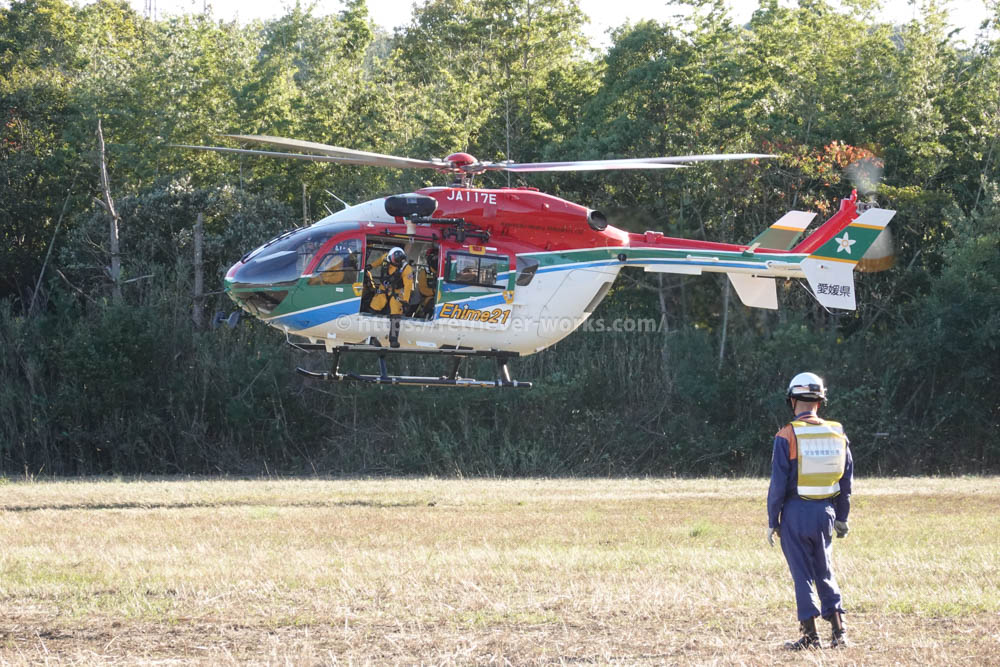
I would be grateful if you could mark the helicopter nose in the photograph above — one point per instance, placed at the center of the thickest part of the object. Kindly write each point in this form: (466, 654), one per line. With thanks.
(253, 292)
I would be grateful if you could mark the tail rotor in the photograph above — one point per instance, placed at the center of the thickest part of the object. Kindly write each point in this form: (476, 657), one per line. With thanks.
(866, 176)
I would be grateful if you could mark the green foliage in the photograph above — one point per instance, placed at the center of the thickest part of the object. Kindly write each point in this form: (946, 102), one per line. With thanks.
(88, 387)
(495, 77)
(951, 344)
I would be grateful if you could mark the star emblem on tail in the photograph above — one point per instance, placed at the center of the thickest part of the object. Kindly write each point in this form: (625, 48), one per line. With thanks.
(845, 243)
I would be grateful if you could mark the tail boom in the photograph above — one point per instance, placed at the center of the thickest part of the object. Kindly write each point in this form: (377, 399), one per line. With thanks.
(825, 259)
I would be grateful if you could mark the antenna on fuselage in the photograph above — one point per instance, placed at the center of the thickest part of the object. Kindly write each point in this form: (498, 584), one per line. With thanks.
(346, 205)
(507, 131)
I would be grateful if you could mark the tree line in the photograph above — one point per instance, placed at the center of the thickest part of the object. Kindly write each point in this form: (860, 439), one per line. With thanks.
(94, 384)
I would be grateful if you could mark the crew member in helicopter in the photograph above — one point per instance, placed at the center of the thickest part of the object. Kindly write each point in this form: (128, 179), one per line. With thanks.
(368, 290)
(338, 267)
(395, 291)
(427, 278)
(808, 501)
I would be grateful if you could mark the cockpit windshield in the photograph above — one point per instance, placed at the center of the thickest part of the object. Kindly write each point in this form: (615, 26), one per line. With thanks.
(283, 259)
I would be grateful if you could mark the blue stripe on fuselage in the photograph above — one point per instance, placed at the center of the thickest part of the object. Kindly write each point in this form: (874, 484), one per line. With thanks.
(316, 316)
(305, 319)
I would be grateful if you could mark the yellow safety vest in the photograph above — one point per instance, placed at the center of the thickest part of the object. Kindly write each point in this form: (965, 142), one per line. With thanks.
(822, 454)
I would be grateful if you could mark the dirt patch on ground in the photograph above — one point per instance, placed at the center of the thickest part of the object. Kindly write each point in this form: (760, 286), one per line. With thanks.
(34, 637)
(524, 572)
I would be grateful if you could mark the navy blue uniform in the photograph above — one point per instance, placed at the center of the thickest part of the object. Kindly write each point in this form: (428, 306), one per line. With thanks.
(807, 528)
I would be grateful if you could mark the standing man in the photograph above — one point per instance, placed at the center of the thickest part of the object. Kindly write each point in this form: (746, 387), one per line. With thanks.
(810, 498)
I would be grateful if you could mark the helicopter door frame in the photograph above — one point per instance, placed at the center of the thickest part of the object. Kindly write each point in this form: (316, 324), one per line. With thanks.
(375, 250)
(338, 266)
(476, 287)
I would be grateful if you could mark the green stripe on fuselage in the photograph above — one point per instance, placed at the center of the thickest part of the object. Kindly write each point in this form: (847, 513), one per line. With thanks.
(546, 259)
(311, 296)
(301, 295)
(636, 255)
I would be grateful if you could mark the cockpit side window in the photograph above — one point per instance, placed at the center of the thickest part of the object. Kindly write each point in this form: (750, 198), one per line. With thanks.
(340, 265)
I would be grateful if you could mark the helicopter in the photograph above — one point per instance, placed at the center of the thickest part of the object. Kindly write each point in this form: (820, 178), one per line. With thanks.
(512, 270)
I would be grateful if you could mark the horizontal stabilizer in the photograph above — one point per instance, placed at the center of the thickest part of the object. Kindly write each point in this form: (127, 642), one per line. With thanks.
(830, 269)
(754, 291)
(672, 268)
(783, 234)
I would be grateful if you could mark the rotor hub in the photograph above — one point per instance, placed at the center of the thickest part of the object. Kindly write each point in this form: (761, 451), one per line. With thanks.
(460, 162)
(461, 159)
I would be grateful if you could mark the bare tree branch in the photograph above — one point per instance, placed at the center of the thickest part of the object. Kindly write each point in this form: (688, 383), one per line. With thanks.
(75, 288)
(48, 254)
(109, 207)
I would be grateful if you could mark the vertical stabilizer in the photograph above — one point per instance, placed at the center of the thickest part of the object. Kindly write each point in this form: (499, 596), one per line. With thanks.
(783, 234)
(830, 268)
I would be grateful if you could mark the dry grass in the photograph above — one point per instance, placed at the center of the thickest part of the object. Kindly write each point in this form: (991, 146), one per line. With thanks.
(449, 571)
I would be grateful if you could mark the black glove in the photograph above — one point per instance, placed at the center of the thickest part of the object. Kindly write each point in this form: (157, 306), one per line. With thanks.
(841, 528)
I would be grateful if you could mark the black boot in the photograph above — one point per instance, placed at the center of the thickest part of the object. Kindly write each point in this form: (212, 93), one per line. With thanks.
(394, 330)
(839, 638)
(809, 638)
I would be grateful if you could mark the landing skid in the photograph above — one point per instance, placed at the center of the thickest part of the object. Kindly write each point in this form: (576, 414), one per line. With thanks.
(452, 379)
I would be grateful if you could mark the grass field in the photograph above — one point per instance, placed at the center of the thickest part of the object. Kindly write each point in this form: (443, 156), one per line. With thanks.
(651, 571)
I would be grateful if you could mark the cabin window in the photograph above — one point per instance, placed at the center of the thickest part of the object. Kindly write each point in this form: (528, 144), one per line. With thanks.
(479, 270)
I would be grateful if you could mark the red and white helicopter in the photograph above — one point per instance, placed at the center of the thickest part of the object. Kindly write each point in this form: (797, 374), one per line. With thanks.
(512, 270)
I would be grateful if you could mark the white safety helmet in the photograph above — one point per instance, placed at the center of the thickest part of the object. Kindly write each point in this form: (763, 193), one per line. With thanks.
(807, 387)
(396, 256)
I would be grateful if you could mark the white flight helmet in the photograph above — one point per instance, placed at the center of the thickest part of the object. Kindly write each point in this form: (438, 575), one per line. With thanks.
(806, 387)
(396, 256)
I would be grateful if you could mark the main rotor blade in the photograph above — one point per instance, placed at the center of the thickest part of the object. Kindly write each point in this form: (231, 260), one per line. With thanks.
(629, 163)
(593, 165)
(716, 157)
(296, 156)
(362, 157)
